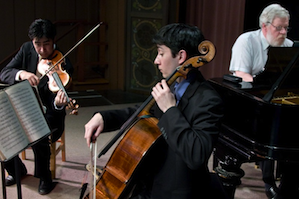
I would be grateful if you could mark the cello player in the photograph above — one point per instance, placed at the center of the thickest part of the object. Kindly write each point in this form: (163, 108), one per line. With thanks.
(188, 121)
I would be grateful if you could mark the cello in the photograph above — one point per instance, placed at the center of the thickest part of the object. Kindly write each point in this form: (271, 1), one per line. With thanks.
(140, 137)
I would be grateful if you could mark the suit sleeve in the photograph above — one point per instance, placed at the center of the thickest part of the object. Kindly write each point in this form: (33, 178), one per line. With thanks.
(114, 119)
(9, 72)
(192, 133)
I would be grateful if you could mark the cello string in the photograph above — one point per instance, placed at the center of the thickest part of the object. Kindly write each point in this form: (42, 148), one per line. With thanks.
(93, 164)
(94, 169)
(91, 167)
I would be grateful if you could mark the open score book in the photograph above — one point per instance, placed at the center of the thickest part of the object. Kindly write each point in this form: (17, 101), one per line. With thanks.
(22, 121)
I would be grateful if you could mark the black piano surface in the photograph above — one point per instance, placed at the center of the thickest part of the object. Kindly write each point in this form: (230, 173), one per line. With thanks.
(254, 127)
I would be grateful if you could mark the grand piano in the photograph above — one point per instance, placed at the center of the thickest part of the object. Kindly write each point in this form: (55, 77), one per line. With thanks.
(261, 118)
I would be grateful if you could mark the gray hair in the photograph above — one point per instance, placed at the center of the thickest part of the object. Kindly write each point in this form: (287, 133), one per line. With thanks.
(272, 11)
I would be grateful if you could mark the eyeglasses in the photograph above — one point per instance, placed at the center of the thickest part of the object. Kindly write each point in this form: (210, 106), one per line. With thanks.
(279, 28)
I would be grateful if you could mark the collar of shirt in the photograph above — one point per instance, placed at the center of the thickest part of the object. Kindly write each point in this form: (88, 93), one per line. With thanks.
(179, 89)
(264, 41)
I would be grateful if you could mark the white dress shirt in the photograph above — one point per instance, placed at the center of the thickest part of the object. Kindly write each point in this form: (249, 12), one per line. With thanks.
(250, 52)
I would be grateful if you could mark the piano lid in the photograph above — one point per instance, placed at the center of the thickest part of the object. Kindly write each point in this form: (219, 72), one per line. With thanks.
(281, 73)
(283, 61)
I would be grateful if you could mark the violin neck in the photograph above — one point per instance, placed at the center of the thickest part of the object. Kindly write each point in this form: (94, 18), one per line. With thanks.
(59, 84)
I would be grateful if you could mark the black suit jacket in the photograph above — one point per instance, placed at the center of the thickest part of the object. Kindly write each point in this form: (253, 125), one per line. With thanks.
(189, 130)
(27, 59)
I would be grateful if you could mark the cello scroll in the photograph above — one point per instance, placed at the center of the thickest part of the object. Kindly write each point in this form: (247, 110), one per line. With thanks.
(208, 51)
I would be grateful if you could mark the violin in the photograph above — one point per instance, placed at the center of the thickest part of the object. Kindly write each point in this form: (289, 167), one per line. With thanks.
(54, 64)
(58, 77)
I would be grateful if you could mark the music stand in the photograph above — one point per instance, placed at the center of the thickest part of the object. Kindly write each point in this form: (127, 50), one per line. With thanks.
(18, 179)
(17, 169)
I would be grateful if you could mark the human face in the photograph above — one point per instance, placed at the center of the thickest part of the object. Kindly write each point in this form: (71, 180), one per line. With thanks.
(277, 37)
(43, 46)
(165, 61)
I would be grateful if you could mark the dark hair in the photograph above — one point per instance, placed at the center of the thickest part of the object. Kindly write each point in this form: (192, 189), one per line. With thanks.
(42, 28)
(180, 37)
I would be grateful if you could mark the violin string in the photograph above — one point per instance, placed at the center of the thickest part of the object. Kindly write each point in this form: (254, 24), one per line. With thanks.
(78, 43)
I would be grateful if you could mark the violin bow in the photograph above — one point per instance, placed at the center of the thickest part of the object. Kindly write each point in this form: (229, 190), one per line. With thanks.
(75, 46)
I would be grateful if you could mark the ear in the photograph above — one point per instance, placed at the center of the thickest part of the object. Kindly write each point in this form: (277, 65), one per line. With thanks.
(264, 29)
(264, 25)
(182, 56)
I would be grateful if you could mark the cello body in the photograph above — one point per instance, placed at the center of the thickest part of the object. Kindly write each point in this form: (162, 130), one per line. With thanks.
(129, 155)
(121, 170)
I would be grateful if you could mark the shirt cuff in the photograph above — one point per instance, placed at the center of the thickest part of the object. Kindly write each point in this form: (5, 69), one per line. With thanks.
(58, 108)
(17, 78)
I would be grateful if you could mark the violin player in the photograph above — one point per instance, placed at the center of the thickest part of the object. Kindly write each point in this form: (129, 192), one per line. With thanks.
(24, 66)
(188, 121)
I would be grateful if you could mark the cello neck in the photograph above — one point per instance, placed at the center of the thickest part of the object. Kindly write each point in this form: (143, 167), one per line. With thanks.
(141, 111)
(147, 105)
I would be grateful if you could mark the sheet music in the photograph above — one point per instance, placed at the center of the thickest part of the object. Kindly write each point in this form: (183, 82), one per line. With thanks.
(28, 110)
(12, 136)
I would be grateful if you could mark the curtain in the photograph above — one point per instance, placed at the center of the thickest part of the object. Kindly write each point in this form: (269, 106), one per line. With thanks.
(221, 22)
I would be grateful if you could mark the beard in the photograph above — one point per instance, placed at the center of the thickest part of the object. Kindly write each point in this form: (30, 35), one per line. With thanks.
(278, 41)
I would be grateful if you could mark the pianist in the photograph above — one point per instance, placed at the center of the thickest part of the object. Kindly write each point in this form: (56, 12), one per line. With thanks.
(250, 51)
(248, 59)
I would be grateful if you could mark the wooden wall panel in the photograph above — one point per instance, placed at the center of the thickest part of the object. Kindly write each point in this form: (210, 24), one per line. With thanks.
(66, 9)
(7, 40)
(116, 41)
(19, 14)
(45, 9)
(88, 10)
(24, 15)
